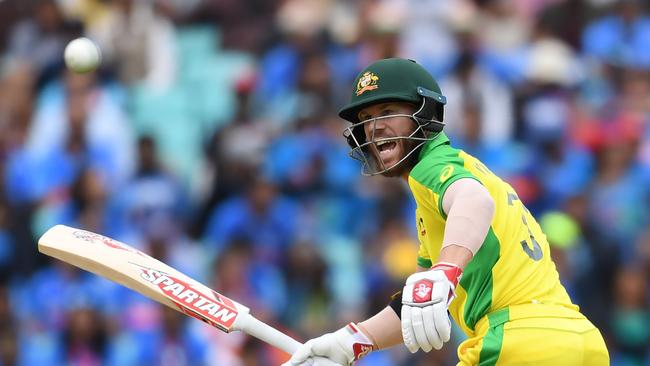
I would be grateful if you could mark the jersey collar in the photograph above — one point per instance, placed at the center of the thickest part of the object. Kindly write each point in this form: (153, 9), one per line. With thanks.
(440, 139)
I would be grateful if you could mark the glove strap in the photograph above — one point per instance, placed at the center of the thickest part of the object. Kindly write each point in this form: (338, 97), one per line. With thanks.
(452, 271)
(361, 344)
(453, 274)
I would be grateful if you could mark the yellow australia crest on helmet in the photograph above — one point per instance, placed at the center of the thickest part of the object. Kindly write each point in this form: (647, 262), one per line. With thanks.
(367, 81)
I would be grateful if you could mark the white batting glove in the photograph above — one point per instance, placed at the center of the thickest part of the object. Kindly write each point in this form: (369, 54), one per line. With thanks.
(342, 347)
(425, 300)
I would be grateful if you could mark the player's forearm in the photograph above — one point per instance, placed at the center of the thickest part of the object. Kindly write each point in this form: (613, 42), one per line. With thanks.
(384, 328)
(470, 211)
(456, 254)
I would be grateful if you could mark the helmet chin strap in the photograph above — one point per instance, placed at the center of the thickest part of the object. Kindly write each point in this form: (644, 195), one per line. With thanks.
(372, 163)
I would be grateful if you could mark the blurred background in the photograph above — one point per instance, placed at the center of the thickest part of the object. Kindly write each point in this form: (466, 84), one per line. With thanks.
(209, 138)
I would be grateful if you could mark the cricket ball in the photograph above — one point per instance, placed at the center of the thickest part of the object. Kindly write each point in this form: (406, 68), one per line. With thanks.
(82, 55)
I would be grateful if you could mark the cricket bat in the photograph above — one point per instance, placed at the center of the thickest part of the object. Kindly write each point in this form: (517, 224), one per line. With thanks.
(138, 271)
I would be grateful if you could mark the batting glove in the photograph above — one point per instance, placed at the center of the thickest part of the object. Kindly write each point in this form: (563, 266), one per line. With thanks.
(343, 347)
(425, 300)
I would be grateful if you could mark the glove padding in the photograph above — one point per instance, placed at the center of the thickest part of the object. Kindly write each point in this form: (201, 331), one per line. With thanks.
(342, 347)
(425, 300)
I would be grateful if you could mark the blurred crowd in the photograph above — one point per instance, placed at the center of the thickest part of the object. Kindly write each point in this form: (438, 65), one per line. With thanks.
(209, 139)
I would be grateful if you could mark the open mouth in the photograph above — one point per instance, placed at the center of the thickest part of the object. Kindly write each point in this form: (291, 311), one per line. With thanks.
(385, 148)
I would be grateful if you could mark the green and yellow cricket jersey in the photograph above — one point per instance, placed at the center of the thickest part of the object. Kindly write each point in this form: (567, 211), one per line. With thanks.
(513, 266)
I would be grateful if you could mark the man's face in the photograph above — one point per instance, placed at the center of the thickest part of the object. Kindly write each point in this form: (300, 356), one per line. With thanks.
(389, 152)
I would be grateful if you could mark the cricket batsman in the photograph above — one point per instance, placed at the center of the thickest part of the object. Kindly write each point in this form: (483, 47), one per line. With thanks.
(483, 258)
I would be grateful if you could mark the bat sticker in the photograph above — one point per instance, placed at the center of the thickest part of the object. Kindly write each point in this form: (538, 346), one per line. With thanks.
(96, 238)
(216, 310)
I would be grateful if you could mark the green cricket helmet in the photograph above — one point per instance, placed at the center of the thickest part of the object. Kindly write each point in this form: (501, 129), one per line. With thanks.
(392, 80)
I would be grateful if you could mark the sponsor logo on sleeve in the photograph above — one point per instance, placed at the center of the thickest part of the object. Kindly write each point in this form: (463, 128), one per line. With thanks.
(422, 229)
(446, 173)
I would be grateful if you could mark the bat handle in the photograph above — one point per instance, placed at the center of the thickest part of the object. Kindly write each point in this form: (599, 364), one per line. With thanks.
(264, 332)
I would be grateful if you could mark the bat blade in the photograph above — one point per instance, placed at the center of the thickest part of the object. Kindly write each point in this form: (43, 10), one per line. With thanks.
(140, 272)
(150, 277)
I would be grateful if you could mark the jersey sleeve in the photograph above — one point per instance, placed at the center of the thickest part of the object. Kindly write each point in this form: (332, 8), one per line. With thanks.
(424, 260)
(438, 174)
